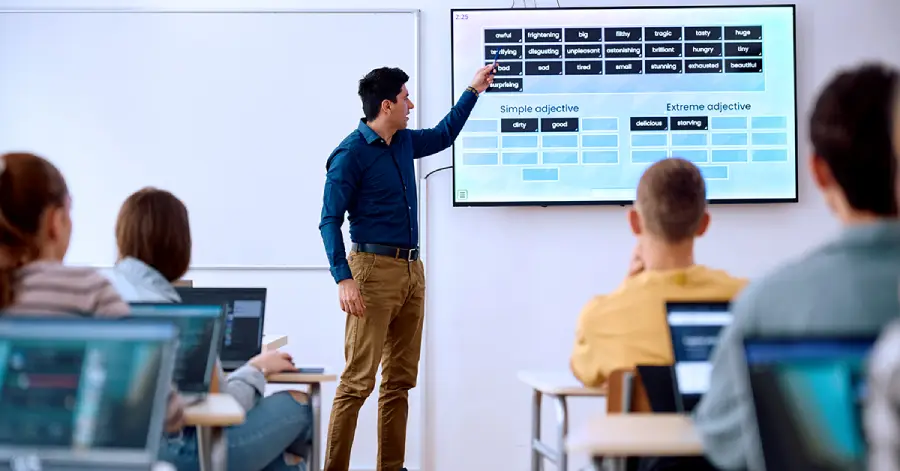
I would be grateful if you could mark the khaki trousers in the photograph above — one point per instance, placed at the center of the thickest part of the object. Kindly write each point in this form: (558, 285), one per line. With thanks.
(390, 333)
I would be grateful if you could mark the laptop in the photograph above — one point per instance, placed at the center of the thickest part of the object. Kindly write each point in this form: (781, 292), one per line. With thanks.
(83, 393)
(244, 319)
(694, 328)
(200, 334)
(808, 395)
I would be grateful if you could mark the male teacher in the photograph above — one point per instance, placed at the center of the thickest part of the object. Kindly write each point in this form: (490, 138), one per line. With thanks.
(381, 283)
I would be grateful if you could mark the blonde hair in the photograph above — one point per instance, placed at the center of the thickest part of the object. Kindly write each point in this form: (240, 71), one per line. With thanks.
(671, 198)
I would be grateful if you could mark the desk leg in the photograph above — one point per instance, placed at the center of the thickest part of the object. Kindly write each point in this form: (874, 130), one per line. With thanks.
(562, 419)
(315, 398)
(537, 460)
(205, 448)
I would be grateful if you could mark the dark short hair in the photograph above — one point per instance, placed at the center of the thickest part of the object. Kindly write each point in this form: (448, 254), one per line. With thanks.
(850, 130)
(153, 227)
(29, 186)
(378, 85)
(671, 198)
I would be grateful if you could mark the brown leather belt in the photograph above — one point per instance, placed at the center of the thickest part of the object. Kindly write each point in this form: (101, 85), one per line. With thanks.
(410, 255)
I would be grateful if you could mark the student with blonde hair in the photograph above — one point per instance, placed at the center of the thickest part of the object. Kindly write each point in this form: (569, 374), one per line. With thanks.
(153, 236)
(628, 327)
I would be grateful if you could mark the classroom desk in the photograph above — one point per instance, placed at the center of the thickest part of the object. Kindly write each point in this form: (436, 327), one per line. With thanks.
(314, 381)
(558, 386)
(210, 416)
(274, 342)
(621, 435)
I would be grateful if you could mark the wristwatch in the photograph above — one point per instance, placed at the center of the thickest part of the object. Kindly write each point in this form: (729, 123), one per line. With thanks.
(472, 89)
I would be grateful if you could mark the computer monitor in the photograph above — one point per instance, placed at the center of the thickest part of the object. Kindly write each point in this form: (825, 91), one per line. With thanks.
(808, 395)
(694, 328)
(200, 334)
(83, 393)
(244, 320)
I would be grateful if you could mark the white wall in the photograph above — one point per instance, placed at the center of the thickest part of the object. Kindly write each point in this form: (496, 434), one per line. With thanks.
(505, 285)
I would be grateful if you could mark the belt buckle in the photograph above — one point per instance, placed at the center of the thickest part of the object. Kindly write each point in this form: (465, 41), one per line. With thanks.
(409, 255)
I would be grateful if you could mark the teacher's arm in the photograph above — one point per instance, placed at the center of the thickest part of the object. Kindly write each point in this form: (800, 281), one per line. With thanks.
(341, 184)
(431, 141)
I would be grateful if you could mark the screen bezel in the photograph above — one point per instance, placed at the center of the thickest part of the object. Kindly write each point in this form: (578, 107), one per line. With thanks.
(454, 94)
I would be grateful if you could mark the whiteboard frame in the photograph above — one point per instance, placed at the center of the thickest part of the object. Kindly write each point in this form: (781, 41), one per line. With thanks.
(416, 13)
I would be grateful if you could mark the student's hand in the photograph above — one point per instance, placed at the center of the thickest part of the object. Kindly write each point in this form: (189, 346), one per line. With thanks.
(636, 265)
(273, 362)
(483, 78)
(174, 413)
(351, 299)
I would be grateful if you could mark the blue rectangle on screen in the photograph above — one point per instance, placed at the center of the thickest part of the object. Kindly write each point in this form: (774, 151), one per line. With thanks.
(729, 139)
(692, 155)
(481, 125)
(770, 155)
(685, 140)
(483, 158)
(600, 157)
(559, 157)
(769, 138)
(768, 122)
(559, 141)
(519, 141)
(729, 155)
(599, 124)
(649, 140)
(480, 143)
(714, 171)
(520, 158)
(647, 156)
(600, 140)
(728, 122)
(540, 174)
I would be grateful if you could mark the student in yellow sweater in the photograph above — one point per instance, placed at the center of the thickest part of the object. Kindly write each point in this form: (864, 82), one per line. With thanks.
(628, 326)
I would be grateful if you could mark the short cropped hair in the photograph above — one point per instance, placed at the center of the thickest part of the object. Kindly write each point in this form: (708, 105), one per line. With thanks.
(850, 130)
(153, 227)
(671, 198)
(378, 85)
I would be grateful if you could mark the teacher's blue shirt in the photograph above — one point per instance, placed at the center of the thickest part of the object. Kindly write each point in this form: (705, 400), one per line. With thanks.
(376, 184)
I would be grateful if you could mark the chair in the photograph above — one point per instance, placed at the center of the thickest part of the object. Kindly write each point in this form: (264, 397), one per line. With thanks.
(626, 394)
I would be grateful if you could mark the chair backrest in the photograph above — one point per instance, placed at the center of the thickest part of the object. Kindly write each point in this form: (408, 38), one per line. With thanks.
(626, 393)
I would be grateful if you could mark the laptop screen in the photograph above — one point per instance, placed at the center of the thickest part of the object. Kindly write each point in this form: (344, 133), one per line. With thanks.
(200, 331)
(86, 385)
(695, 328)
(245, 314)
(808, 396)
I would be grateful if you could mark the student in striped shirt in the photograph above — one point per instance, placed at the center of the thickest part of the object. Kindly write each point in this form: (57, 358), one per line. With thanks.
(153, 235)
(35, 228)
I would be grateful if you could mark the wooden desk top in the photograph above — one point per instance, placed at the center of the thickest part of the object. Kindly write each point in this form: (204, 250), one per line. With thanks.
(217, 410)
(559, 383)
(273, 342)
(300, 378)
(637, 435)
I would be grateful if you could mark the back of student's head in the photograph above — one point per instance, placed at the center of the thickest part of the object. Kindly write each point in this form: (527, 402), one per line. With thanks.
(850, 130)
(671, 201)
(34, 216)
(153, 227)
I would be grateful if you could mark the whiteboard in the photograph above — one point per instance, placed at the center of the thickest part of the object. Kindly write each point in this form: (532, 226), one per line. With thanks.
(234, 112)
